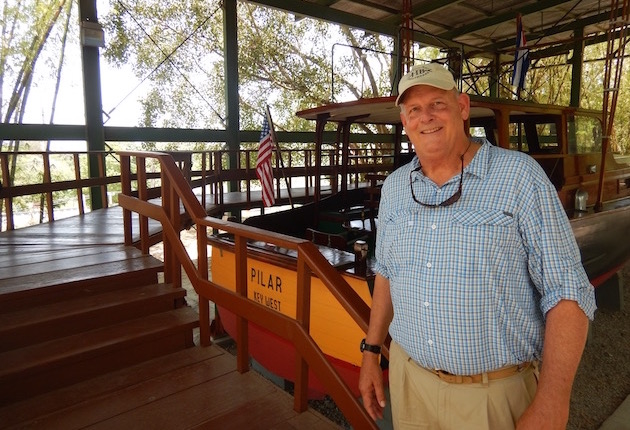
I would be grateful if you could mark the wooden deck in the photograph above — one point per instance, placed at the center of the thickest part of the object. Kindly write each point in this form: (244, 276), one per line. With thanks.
(198, 387)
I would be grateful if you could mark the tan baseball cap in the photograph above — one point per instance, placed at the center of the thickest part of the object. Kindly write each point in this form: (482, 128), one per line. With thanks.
(432, 74)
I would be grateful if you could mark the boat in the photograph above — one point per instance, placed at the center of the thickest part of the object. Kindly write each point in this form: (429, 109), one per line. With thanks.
(565, 141)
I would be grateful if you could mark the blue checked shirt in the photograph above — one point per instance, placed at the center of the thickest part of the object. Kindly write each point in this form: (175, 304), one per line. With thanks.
(471, 282)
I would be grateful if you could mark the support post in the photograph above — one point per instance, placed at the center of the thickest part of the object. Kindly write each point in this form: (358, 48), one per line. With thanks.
(230, 65)
(92, 98)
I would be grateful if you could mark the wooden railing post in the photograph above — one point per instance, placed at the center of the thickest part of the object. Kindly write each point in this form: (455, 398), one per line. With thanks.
(308, 179)
(77, 177)
(6, 182)
(248, 188)
(125, 182)
(204, 303)
(242, 338)
(218, 193)
(102, 172)
(204, 179)
(170, 205)
(141, 170)
(303, 317)
(47, 180)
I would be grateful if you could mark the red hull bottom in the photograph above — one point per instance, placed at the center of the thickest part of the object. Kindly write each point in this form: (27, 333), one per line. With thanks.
(277, 355)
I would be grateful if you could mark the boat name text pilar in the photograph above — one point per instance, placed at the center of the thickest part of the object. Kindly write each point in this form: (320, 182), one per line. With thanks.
(272, 282)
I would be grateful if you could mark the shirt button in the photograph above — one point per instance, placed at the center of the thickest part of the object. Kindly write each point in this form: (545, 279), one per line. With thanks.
(430, 342)
(426, 304)
(433, 227)
(429, 265)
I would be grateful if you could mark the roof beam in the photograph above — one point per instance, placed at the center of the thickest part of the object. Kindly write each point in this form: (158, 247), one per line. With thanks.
(499, 19)
(326, 13)
(427, 7)
(377, 6)
(577, 24)
(567, 46)
(319, 10)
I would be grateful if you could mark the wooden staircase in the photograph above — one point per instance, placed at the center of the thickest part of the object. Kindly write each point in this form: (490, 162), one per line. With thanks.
(68, 316)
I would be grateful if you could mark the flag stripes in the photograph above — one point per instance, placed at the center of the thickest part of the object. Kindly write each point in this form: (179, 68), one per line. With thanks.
(521, 56)
(264, 170)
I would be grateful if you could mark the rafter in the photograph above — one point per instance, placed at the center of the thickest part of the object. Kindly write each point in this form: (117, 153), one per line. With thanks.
(581, 23)
(500, 18)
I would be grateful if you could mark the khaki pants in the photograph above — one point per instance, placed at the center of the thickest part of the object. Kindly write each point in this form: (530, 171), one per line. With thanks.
(421, 400)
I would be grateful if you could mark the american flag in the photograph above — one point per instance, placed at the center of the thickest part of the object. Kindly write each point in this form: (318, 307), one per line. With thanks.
(264, 170)
(521, 57)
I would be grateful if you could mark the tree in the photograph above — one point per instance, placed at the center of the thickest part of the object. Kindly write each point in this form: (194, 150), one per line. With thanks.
(25, 30)
(284, 61)
(593, 90)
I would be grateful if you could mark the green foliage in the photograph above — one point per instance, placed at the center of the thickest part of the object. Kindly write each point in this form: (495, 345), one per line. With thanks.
(26, 26)
(283, 61)
(173, 44)
(593, 78)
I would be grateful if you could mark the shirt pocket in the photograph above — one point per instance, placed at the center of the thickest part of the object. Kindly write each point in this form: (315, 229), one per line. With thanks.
(487, 236)
(402, 240)
(488, 218)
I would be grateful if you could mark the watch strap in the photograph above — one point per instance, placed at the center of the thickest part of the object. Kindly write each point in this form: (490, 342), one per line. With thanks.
(376, 349)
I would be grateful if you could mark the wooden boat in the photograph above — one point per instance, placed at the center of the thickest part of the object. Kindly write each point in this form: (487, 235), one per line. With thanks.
(563, 140)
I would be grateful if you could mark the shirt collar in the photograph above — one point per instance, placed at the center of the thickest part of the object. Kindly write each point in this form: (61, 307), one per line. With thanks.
(480, 162)
(477, 167)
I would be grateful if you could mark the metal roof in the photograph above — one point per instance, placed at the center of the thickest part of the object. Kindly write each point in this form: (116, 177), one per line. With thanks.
(480, 27)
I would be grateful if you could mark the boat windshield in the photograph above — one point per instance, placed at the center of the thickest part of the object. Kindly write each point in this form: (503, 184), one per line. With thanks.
(584, 134)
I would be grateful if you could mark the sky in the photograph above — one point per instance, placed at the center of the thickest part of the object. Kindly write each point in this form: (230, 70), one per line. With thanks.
(116, 85)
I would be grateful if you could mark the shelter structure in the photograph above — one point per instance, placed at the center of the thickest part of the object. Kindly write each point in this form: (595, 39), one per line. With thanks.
(466, 29)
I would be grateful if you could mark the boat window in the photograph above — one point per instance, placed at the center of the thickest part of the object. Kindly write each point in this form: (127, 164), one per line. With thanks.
(483, 127)
(534, 135)
(584, 134)
(478, 132)
(518, 137)
(547, 137)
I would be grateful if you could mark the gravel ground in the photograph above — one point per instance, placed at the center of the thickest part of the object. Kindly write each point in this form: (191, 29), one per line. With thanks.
(603, 379)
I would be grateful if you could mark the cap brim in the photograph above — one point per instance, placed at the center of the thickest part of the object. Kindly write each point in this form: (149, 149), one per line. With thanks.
(445, 87)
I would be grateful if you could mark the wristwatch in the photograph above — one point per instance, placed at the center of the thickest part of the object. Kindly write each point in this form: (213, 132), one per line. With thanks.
(372, 348)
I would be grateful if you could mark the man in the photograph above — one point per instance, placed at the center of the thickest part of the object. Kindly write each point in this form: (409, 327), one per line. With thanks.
(478, 279)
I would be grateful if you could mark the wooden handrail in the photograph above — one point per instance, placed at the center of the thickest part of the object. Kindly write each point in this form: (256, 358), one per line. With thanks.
(175, 189)
(204, 170)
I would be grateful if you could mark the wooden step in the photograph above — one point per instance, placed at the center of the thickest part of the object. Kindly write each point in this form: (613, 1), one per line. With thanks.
(88, 310)
(34, 281)
(115, 392)
(198, 388)
(39, 368)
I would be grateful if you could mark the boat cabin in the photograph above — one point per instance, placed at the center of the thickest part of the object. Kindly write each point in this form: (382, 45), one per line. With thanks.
(566, 141)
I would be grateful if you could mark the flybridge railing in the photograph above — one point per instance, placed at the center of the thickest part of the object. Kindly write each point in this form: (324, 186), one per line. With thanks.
(38, 186)
(293, 168)
(176, 193)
